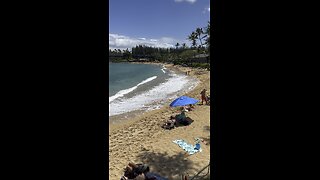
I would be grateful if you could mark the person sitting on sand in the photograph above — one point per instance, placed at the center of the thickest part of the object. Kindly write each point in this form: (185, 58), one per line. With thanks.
(133, 171)
(203, 96)
(170, 123)
(182, 118)
(140, 172)
(189, 108)
(182, 115)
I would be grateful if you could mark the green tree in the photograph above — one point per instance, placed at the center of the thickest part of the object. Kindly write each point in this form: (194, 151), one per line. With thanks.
(177, 45)
(184, 46)
(207, 32)
(192, 37)
(126, 54)
(199, 32)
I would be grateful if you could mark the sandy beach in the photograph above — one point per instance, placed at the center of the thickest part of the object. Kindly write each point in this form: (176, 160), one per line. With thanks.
(142, 140)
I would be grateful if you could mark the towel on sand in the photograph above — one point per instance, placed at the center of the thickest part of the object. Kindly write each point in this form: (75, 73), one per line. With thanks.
(187, 147)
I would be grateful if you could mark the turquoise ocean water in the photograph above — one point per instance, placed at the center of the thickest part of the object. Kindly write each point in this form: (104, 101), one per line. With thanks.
(143, 86)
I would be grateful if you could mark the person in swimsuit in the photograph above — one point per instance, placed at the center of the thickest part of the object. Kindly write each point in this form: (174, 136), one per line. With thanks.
(203, 96)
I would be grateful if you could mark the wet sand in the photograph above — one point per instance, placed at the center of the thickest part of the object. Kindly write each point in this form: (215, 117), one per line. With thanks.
(142, 140)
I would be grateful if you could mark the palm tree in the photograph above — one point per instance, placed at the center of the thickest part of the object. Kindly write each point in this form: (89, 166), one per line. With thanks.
(184, 46)
(177, 50)
(207, 32)
(199, 32)
(207, 40)
(177, 45)
(192, 37)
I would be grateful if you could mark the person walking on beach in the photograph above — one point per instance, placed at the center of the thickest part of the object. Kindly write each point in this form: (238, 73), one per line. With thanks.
(203, 96)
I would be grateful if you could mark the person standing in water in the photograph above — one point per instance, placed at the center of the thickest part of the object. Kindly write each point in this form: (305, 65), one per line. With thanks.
(203, 96)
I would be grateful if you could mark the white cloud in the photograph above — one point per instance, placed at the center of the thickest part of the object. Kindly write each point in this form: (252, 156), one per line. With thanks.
(117, 41)
(190, 1)
(206, 9)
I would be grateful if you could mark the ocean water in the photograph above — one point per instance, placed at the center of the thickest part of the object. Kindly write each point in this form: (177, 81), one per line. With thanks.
(143, 87)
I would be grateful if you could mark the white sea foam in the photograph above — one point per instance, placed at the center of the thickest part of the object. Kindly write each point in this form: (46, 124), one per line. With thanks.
(163, 69)
(126, 91)
(151, 99)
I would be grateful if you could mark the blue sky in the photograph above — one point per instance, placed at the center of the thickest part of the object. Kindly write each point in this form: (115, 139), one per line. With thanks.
(160, 23)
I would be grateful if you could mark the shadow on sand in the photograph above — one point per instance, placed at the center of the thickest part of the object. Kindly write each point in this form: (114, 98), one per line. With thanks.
(187, 120)
(171, 167)
(207, 139)
(206, 128)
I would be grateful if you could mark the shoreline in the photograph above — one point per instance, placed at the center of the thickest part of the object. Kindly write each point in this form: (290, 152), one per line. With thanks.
(141, 139)
(118, 121)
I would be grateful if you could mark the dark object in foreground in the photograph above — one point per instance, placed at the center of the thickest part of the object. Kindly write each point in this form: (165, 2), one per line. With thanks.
(183, 121)
(133, 170)
(176, 121)
(208, 100)
(142, 170)
(169, 124)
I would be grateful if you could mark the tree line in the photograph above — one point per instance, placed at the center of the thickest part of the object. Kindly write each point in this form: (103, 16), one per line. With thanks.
(200, 44)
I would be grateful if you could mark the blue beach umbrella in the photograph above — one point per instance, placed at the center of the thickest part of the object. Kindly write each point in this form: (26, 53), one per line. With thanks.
(183, 100)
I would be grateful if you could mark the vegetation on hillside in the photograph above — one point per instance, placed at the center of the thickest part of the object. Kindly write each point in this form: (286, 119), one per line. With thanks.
(198, 55)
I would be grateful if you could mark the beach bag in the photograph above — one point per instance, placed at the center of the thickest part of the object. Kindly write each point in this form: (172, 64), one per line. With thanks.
(197, 146)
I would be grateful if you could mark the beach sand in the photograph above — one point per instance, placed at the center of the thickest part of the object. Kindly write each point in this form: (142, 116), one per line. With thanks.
(142, 140)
